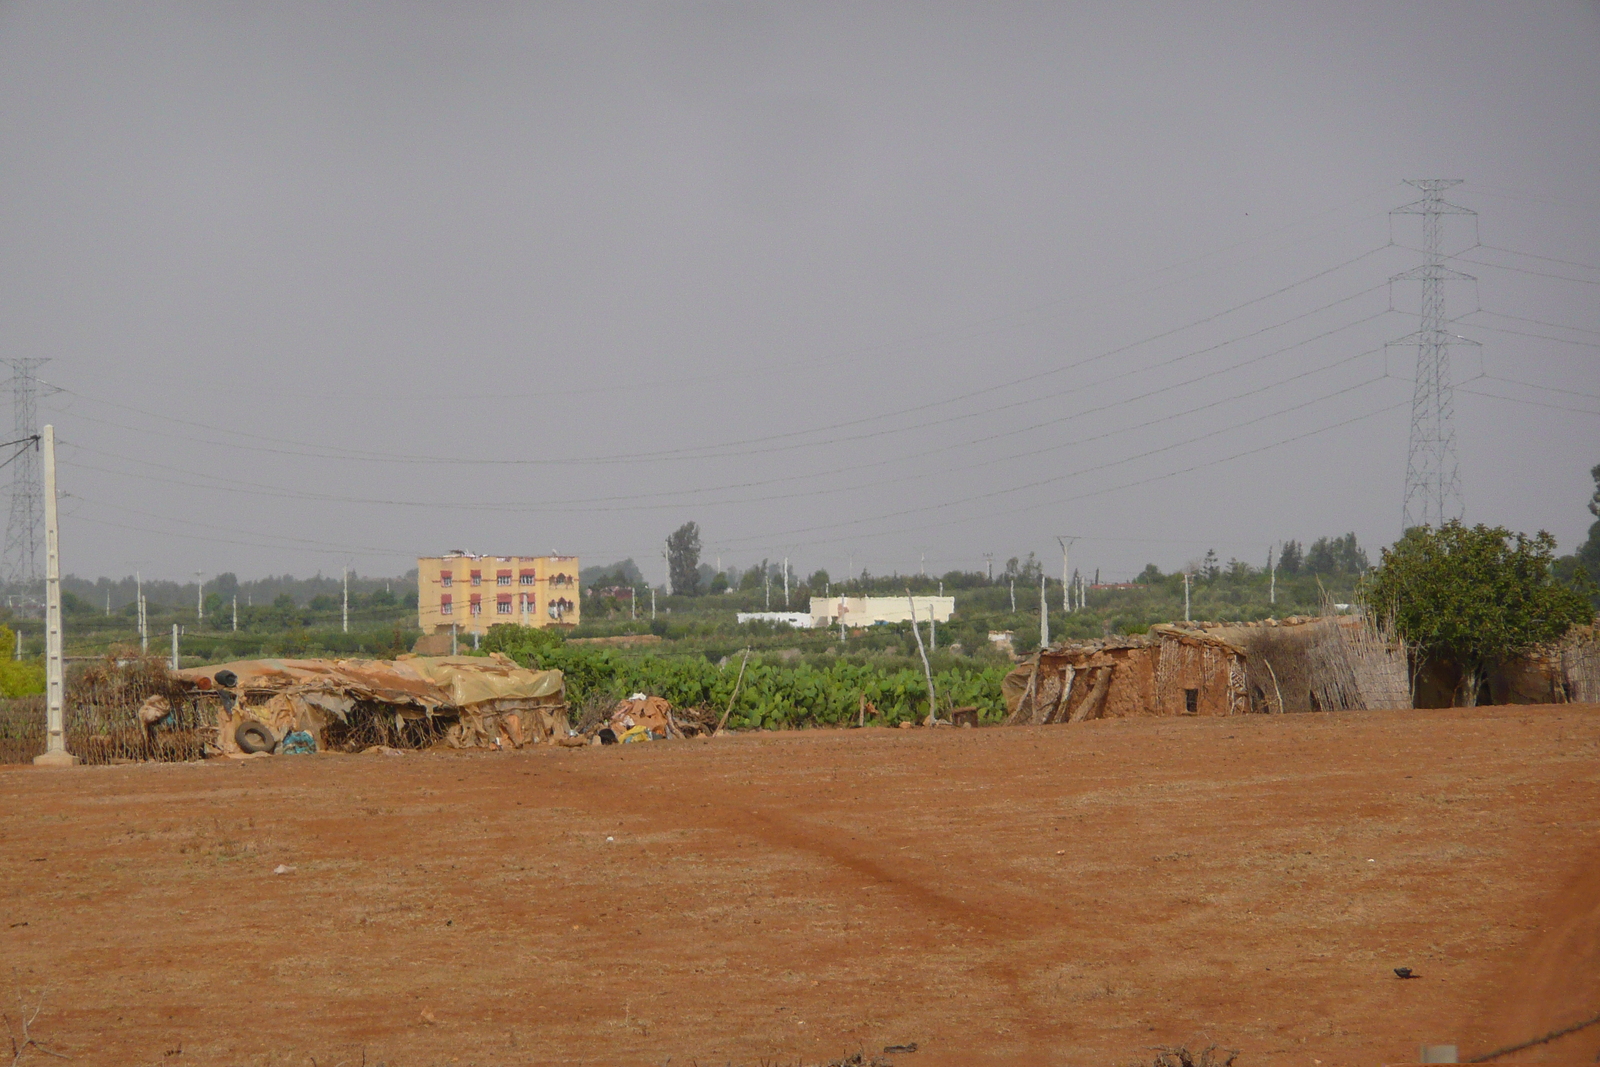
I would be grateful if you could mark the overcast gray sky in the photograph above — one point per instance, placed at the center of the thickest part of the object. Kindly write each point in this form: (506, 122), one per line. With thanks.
(327, 285)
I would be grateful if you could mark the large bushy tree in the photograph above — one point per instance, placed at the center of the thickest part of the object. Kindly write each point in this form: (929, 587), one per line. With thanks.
(1476, 595)
(1589, 551)
(683, 559)
(1336, 555)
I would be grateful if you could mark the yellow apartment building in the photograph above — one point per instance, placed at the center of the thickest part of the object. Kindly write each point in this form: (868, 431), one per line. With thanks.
(473, 593)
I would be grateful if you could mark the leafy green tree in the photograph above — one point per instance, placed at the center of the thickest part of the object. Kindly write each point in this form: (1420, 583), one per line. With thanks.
(1150, 575)
(1290, 557)
(1336, 555)
(1589, 551)
(1476, 596)
(683, 559)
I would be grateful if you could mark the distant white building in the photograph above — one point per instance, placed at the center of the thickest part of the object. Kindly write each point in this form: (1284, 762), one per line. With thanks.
(871, 610)
(798, 619)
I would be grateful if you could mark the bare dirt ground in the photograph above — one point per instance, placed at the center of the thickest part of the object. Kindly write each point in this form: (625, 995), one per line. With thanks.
(1060, 895)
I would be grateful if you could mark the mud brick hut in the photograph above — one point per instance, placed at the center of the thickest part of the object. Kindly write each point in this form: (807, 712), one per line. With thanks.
(347, 705)
(1171, 670)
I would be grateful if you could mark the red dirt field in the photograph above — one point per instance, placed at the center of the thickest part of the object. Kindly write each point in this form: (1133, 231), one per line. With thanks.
(1050, 895)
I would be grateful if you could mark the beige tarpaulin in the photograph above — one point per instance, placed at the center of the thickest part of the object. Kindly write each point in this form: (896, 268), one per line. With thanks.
(488, 699)
(469, 680)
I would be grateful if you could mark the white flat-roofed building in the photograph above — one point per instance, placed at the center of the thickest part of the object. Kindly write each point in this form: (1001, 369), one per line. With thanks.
(871, 610)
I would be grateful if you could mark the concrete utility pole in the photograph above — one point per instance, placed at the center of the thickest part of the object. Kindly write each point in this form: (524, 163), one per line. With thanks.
(1013, 596)
(236, 613)
(786, 582)
(454, 633)
(652, 603)
(1065, 542)
(346, 610)
(55, 753)
(199, 597)
(138, 595)
(1044, 617)
(174, 646)
(988, 559)
(1272, 570)
(1186, 577)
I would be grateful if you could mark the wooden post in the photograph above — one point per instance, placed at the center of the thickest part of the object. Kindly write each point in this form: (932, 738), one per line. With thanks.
(1058, 710)
(736, 684)
(927, 671)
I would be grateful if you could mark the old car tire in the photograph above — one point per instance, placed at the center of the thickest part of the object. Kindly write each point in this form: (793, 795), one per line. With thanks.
(227, 678)
(253, 737)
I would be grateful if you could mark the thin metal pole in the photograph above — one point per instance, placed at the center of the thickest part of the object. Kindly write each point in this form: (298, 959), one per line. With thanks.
(55, 753)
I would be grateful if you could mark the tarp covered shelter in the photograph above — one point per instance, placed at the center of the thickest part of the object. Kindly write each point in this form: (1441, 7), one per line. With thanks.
(466, 701)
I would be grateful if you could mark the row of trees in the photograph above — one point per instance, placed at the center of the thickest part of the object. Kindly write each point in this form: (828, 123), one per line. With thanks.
(1326, 557)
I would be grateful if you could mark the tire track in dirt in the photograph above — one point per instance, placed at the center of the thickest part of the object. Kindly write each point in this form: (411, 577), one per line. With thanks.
(988, 931)
(1555, 982)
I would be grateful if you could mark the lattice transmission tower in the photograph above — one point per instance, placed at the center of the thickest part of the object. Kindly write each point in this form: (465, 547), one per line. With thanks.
(20, 566)
(1433, 486)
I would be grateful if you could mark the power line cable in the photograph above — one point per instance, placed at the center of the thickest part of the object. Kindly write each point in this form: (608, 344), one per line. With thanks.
(1524, 270)
(1535, 322)
(1538, 336)
(1547, 259)
(740, 447)
(1524, 400)
(569, 505)
(924, 526)
(1041, 482)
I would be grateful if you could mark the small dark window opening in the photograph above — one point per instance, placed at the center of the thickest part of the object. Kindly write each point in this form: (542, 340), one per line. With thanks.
(1191, 701)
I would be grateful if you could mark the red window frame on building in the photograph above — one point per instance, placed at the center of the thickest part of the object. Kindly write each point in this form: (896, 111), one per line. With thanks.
(445, 579)
(477, 577)
(502, 577)
(445, 605)
(502, 604)
(525, 577)
(476, 605)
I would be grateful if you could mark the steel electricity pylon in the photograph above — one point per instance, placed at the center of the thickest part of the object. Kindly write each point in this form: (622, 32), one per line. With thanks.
(1433, 485)
(21, 567)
